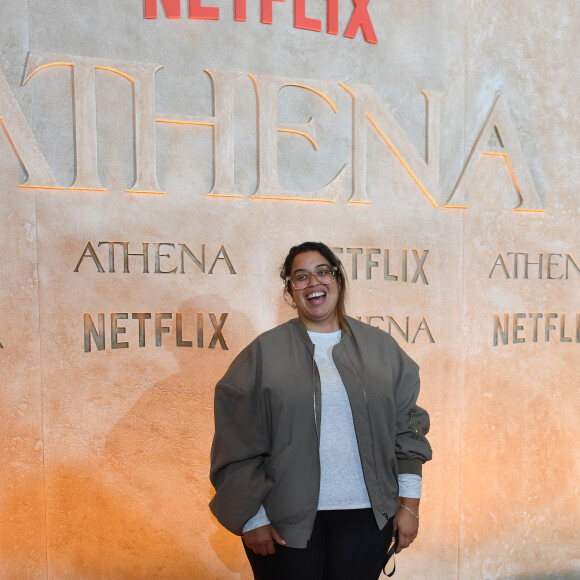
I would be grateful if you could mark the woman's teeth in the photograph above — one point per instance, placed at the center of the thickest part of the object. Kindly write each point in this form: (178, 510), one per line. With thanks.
(315, 295)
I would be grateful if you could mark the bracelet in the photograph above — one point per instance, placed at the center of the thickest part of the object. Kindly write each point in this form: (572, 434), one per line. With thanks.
(409, 510)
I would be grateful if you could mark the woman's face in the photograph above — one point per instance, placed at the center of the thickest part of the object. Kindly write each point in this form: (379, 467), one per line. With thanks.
(316, 304)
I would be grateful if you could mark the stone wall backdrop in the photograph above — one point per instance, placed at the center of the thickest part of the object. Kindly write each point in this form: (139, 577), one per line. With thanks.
(154, 172)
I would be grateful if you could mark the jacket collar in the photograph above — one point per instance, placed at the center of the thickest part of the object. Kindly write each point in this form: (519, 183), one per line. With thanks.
(303, 333)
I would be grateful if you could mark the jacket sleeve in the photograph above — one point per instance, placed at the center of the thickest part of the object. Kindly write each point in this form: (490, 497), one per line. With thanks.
(240, 444)
(411, 445)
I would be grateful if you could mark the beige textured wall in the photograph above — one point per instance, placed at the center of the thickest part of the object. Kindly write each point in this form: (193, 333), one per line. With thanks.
(104, 453)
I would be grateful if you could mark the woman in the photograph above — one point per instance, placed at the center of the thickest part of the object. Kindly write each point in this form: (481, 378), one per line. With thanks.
(319, 443)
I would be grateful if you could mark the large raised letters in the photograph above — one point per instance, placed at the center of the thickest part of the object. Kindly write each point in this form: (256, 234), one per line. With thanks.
(222, 123)
(367, 106)
(508, 147)
(23, 141)
(142, 77)
(267, 88)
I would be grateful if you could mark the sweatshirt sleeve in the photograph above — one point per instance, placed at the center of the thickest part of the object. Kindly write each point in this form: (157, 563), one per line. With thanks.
(257, 521)
(411, 445)
(240, 444)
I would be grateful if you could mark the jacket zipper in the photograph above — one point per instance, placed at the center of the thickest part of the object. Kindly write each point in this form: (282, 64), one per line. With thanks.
(411, 424)
(314, 401)
(383, 504)
(316, 428)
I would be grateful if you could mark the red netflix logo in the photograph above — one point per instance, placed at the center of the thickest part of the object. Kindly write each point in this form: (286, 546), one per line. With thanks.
(360, 17)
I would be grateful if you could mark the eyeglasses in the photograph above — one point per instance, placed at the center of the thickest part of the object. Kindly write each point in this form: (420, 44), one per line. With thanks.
(325, 275)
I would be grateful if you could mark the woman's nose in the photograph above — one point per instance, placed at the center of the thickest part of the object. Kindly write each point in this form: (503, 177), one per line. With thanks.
(312, 275)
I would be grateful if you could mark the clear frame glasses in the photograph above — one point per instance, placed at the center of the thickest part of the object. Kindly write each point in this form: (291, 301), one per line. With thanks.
(300, 280)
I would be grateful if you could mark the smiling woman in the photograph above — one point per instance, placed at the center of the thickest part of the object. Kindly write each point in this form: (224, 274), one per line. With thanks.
(315, 280)
(319, 443)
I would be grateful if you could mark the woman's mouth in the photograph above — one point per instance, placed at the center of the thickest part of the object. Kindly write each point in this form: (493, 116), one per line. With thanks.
(316, 297)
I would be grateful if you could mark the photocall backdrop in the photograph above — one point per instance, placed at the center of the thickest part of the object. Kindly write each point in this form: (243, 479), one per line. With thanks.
(157, 161)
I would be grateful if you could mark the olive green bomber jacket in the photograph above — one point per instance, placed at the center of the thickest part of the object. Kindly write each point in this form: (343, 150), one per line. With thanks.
(267, 420)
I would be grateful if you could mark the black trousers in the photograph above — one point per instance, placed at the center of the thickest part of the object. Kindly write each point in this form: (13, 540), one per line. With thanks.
(345, 545)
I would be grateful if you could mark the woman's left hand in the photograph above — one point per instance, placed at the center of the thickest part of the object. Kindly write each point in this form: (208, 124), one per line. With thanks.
(406, 523)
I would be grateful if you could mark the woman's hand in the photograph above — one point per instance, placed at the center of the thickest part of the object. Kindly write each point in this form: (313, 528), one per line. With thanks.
(406, 523)
(261, 540)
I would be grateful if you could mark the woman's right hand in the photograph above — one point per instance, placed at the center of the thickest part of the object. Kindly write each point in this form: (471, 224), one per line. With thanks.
(261, 540)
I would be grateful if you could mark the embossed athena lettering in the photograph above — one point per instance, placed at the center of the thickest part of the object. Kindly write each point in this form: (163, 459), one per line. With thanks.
(152, 325)
(544, 265)
(396, 328)
(368, 113)
(535, 327)
(167, 258)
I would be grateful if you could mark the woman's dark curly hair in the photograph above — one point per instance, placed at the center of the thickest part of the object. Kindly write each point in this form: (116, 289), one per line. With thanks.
(333, 260)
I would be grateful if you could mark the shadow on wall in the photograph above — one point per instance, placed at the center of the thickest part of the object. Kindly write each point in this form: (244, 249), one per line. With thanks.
(101, 534)
(141, 509)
